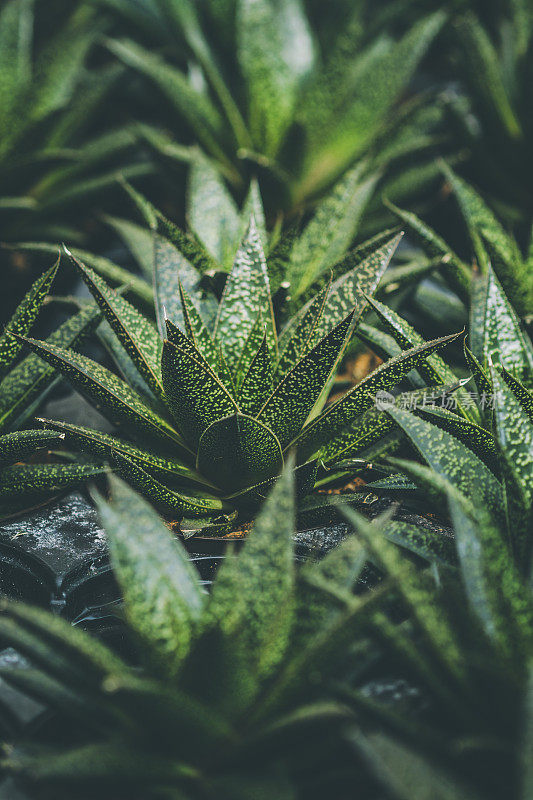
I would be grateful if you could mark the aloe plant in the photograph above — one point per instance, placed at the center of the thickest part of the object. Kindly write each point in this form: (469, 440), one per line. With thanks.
(261, 88)
(24, 383)
(211, 401)
(232, 697)
(490, 244)
(469, 641)
(484, 446)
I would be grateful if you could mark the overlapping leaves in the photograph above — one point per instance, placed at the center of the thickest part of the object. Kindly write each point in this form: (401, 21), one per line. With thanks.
(220, 403)
(24, 383)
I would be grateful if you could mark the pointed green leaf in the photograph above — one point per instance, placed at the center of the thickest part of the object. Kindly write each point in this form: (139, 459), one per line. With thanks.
(351, 290)
(197, 330)
(41, 480)
(212, 212)
(491, 582)
(370, 428)
(253, 594)
(360, 276)
(338, 415)
(178, 504)
(257, 382)
(247, 291)
(329, 234)
(297, 339)
(483, 384)
(162, 595)
(23, 319)
(514, 432)
(136, 333)
(434, 370)
(170, 269)
(236, 452)
(106, 391)
(253, 206)
(194, 394)
(291, 401)
(26, 385)
(524, 397)
(476, 438)
(272, 67)
(451, 459)
(503, 337)
(15, 446)
(103, 446)
(250, 349)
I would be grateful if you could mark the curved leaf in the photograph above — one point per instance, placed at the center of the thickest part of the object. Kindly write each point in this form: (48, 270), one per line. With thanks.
(237, 451)
(108, 392)
(23, 319)
(103, 446)
(26, 385)
(136, 333)
(292, 400)
(253, 595)
(195, 504)
(335, 417)
(451, 459)
(247, 290)
(194, 394)
(17, 445)
(162, 595)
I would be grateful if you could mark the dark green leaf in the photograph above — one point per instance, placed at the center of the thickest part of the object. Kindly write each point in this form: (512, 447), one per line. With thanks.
(257, 382)
(194, 394)
(247, 291)
(162, 594)
(104, 446)
(338, 415)
(136, 333)
(238, 451)
(15, 446)
(26, 385)
(291, 401)
(106, 391)
(41, 480)
(195, 504)
(212, 213)
(23, 319)
(253, 595)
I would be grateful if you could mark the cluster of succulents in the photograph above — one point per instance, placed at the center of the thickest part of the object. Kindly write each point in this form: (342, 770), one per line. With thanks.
(227, 357)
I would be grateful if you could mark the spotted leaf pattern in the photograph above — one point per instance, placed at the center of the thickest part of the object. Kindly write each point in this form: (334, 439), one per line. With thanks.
(247, 291)
(23, 319)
